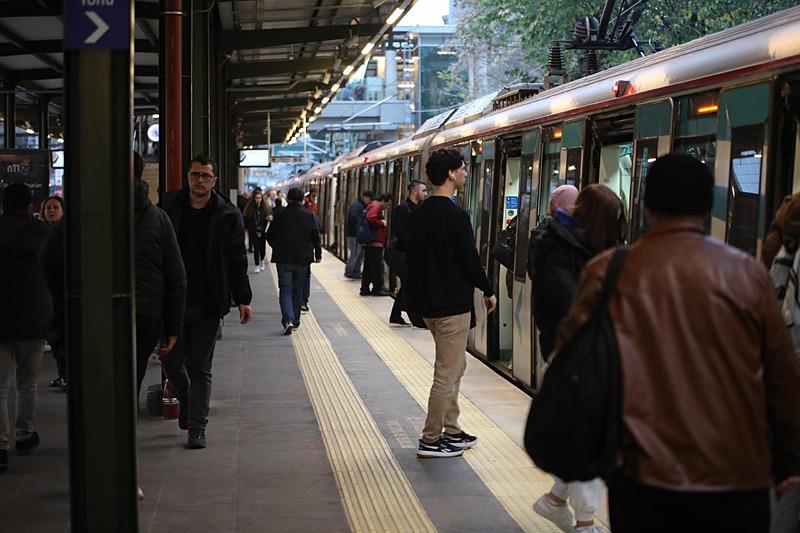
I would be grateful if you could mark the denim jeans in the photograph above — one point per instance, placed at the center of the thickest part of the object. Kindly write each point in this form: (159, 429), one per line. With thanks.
(291, 282)
(23, 359)
(307, 287)
(354, 260)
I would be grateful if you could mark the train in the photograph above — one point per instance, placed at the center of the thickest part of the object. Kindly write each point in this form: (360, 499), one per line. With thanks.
(730, 99)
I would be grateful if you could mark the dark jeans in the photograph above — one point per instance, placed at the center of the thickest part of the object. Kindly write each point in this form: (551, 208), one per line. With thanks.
(60, 355)
(373, 271)
(188, 366)
(259, 248)
(634, 507)
(307, 287)
(291, 283)
(148, 333)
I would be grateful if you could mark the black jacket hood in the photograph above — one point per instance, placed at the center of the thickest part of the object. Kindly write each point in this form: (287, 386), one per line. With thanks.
(141, 197)
(21, 235)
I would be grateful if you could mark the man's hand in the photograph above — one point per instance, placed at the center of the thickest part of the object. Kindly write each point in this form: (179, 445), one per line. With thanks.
(318, 260)
(490, 302)
(164, 349)
(245, 314)
(786, 485)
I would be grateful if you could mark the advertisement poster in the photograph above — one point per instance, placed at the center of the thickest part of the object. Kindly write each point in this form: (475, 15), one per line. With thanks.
(31, 167)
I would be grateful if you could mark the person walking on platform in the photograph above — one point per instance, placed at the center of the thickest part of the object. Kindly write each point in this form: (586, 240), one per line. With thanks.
(444, 270)
(52, 212)
(572, 237)
(160, 277)
(355, 251)
(25, 314)
(710, 387)
(396, 252)
(257, 215)
(294, 238)
(211, 240)
(373, 250)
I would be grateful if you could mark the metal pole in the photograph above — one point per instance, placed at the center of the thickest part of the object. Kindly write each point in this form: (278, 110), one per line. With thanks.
(269, 129)
(10, 123)
(305, 140)
(173, 106)
(44, 123)
(98, 91)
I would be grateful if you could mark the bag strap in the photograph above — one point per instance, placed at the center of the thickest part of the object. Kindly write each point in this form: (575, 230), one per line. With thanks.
(612, 274)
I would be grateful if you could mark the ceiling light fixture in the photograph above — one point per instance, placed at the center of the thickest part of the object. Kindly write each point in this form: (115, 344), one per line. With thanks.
(396, 14)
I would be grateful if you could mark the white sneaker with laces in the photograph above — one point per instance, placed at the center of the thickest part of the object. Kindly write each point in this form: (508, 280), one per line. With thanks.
(256, 270)
(560, 515)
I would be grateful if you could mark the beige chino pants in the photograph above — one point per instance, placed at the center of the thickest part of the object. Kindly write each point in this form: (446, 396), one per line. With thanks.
(450, 334)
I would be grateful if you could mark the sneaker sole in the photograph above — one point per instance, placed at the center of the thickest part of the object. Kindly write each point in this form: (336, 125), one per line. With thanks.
(463, 445)
(432, 454)
(545, 515)
(288, 331)
(195, 446)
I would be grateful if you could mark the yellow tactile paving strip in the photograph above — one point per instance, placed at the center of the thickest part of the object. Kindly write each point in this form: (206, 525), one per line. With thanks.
(376, 494)
(503, 466)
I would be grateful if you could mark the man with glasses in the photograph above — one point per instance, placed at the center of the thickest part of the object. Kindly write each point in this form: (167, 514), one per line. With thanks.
(211, 240)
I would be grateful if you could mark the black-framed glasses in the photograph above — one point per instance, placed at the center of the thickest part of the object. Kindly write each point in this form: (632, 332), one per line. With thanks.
(204, 176)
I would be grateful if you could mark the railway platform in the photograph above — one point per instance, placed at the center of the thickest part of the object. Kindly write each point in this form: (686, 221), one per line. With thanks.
(316, 431)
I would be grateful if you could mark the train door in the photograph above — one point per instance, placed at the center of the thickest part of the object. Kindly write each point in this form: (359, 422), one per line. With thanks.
(483, 242)
(695, 134)
(505, 209)
(472, 204)
(784, 158)
(549, 177)
(612, 154)
(523, 332)
(652, 131)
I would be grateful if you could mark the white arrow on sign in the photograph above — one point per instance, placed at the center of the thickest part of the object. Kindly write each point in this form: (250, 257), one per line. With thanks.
(101, 30)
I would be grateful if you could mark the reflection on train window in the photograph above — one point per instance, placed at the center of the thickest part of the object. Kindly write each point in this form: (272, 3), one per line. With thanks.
(525, 188)
(548, 183)
(486, 207)
(573, 175)
(745, 185)
(616, 170)
(702, 148)
(646, 153)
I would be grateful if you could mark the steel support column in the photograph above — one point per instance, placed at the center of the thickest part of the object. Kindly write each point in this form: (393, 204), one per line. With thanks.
(201, 63)
(44, 123)
(187, 53)
(98, 90)
(171, 117)
(10, 120)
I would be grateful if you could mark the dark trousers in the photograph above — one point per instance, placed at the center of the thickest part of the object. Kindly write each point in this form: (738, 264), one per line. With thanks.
(291, 281)
(634, 508)
(259, 248)
(60, 355)
(148, 333)
(372, 273)
(188, 366)
(306, 287)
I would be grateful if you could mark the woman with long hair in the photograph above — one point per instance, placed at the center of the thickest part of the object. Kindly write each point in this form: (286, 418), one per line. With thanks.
(257, 215)
(595, 223)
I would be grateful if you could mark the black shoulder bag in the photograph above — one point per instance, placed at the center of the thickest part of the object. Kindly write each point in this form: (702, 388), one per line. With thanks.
(574, 423)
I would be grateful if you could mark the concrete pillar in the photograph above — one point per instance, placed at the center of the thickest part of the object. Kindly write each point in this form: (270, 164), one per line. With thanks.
(391, 72)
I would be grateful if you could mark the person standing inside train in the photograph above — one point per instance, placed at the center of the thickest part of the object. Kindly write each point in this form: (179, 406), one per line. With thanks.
(574, 234)
(355, 257)
(257, 215)
(417, 192)
(373, 251)
(444, 270)
(211, 240)
(710, 385)
(294, 238)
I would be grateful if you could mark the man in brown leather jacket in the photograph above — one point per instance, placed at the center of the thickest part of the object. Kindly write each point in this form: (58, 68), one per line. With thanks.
(711, 389)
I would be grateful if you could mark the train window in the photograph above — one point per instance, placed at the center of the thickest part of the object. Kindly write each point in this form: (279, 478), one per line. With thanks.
(549, 175)
(646, 153)
(523, 220)
(486, 208)
(702, 148)
(616, 170)
(573, 174)
(747, 144)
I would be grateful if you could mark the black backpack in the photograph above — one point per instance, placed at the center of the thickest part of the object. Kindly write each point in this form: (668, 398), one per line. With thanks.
(365, 233)
(574, 422)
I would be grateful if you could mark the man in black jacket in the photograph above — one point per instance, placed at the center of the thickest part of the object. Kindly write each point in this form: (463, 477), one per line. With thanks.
(211, 240)
(352, 269)
(444, 270)
(294, 238)
(160, 276)
(396, 253)
(25, 315)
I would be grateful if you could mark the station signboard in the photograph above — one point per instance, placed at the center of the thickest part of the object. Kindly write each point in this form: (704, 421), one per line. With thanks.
(31, 167)
(103, 24)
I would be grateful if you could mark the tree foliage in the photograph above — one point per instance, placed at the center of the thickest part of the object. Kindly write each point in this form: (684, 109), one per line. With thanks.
(516, 34)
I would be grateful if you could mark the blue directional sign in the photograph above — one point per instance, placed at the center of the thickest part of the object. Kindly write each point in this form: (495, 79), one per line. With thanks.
(97, 24)
(512, 202)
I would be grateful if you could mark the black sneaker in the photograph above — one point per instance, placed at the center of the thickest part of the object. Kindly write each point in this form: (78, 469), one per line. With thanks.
(304, 309)
(287, 328)
(440, 448)
(197, 439)
(28, 445)
(3, 460)
(364, 293)
(461, 440)
(183, 417)
(56, 383)
(398, 322)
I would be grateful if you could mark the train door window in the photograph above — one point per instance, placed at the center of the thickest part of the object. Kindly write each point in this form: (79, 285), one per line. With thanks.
(616, 170)
(573, 173)
(747, 144)
(486, 209)
(702, 148)
(472, 187)
(523, 218)
(549, 178)
(646, 153)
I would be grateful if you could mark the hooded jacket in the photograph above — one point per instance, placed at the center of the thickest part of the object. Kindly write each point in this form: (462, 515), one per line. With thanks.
(26, 309)
(160, 275)
(226, 255)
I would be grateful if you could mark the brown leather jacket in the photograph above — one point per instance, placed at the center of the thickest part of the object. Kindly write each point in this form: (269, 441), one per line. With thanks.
(711, 389)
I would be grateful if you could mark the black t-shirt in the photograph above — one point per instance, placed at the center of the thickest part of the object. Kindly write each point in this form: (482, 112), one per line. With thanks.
(193, 239)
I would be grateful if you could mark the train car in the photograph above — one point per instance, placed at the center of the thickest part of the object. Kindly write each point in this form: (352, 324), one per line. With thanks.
(731, 99)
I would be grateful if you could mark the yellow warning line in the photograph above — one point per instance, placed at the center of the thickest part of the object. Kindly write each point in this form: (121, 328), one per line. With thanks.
(503, 466)
(376, 494)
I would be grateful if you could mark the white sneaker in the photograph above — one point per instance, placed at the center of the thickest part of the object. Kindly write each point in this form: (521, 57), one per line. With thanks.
(560, 515)
(140, 493)
(256, 270)
(589, 529)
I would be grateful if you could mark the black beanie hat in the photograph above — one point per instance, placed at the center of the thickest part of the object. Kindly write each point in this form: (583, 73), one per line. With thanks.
(679, 184)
